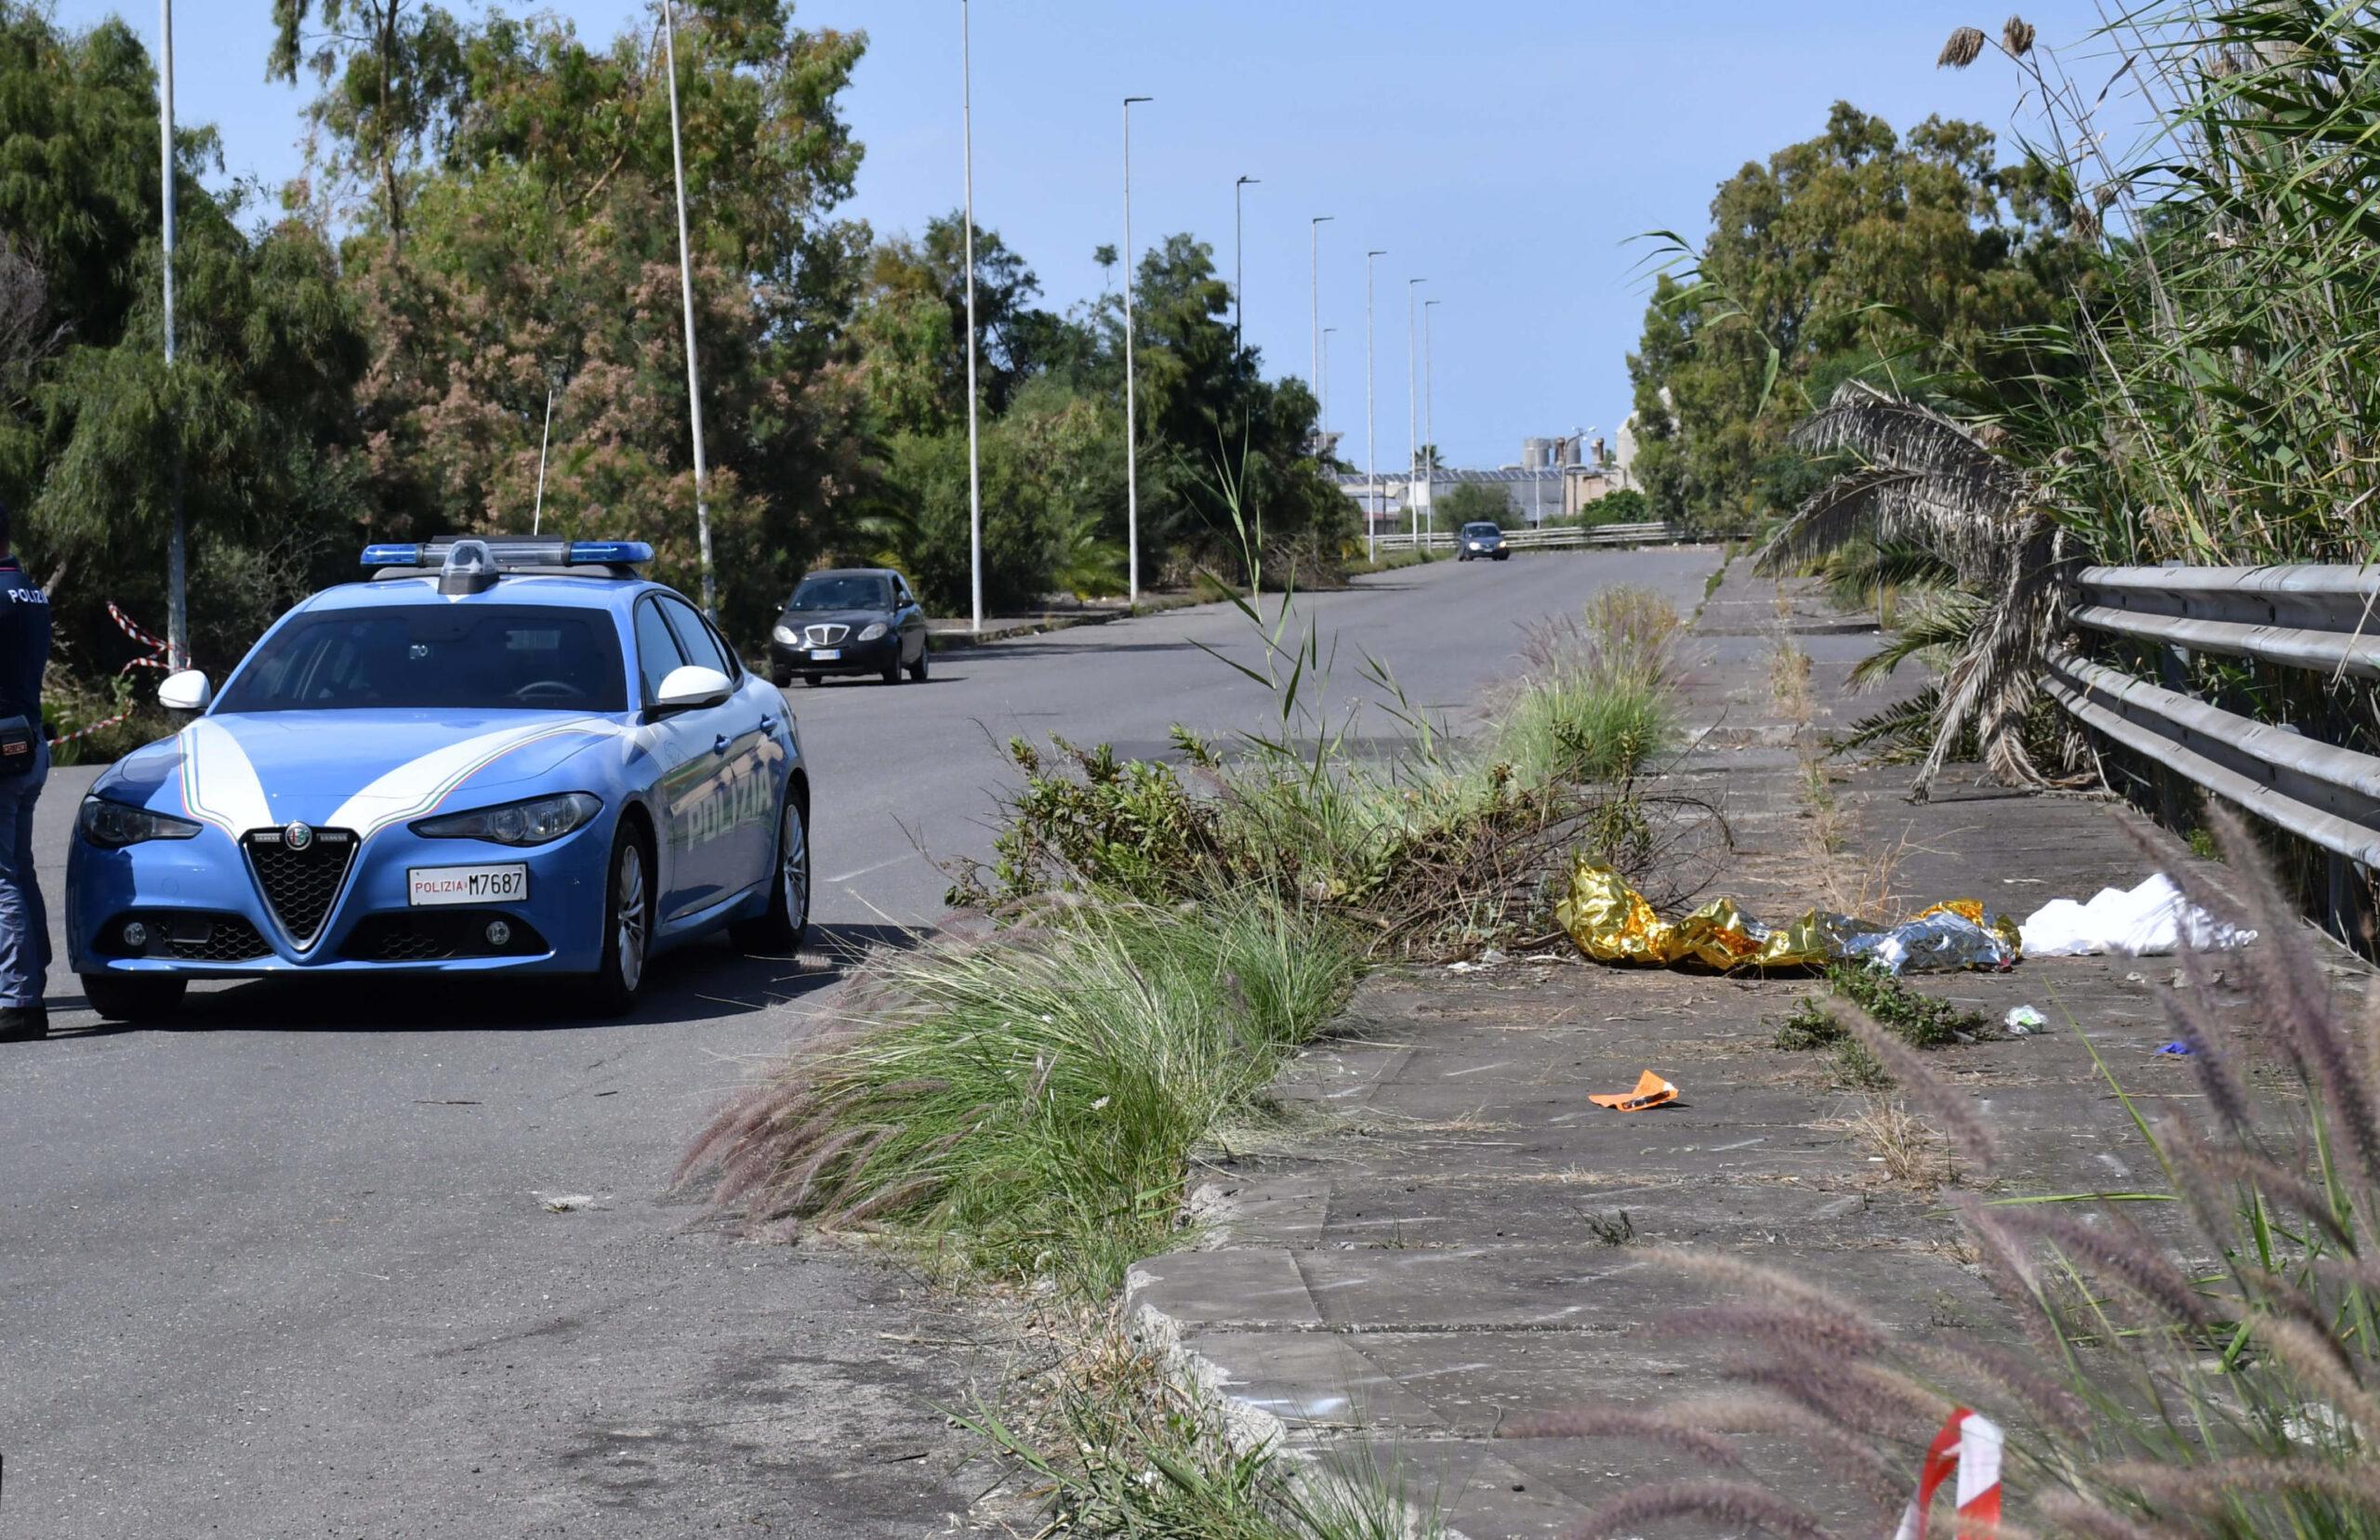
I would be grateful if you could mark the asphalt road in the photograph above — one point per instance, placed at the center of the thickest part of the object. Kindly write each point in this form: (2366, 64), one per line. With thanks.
(293, 1267)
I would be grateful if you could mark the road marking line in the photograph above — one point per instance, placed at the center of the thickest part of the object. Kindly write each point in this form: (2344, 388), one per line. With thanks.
(863, 871)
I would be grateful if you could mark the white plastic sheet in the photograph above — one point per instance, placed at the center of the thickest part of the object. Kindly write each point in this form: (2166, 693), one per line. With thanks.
(2148, 920)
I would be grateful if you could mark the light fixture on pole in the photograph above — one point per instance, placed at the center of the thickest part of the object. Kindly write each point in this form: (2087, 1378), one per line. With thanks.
(176, 543)
(1412, 418)
(1429, 412)
(1371, 423)
(1314, 379)
(1131, 440)
(974, 467)
(1238, 308)
(686, 289)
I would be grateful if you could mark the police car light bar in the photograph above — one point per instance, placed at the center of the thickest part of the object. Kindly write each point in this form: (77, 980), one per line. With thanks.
(516, 553)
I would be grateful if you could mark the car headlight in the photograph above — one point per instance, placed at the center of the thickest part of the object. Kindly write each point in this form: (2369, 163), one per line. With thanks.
(874, 629)
(785, 634)
(113, 825)
(539, 821)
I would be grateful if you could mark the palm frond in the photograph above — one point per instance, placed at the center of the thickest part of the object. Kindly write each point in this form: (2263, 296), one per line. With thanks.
(1907, 435)
(1992, 684)
(1933, 627)
(1902, 730)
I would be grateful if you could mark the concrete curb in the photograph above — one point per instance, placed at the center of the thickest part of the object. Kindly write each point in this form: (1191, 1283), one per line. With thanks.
(953, 635)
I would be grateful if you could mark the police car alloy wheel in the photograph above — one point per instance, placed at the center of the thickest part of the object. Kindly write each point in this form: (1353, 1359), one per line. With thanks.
(627, 927)
(780, 927)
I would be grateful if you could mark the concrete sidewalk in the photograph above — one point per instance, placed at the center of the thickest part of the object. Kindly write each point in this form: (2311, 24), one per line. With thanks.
(1464, 1238)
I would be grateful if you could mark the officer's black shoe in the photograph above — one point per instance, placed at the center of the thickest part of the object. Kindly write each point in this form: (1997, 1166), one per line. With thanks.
(24, 1023)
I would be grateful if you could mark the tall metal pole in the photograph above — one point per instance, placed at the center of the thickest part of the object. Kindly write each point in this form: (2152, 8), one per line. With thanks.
(1429, 410)
(1412, 428)
(177, 542)
(686, 288)
(1131, 438)
(1371, 423)
(1314, 379)
(975, 464)
(1238, 308)
(1327, 332)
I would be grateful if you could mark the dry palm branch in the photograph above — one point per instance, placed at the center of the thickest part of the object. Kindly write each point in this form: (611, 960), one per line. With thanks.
(1928, 480)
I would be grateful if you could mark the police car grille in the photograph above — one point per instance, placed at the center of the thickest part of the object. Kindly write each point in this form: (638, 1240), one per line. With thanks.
(227, 940)
(300, 885)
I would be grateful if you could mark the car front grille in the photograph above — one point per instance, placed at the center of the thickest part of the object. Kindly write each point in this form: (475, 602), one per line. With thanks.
(827, 635)
(434, 937)
(300, 881)
(186, 936)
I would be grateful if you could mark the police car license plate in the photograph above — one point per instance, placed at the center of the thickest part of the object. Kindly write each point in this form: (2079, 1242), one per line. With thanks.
(436, 885)
(826, 654)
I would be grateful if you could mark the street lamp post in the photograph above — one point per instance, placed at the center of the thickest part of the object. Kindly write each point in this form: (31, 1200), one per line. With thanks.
(1371, 423)
(686, 292)
(1238, 305)
(1314, 379)
(1131, 439)
(975, 464)
(1429, 410)
(1327, 332)
(177, 543)
(1412, 418)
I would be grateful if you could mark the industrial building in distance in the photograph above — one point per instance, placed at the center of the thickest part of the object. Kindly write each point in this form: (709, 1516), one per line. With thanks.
(1553, 483)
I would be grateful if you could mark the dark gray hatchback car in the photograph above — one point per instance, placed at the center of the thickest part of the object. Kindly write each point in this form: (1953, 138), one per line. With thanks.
(852, 620)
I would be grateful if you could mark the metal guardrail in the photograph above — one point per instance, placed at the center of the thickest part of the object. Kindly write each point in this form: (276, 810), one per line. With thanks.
(2317, 618)
(1559, 538)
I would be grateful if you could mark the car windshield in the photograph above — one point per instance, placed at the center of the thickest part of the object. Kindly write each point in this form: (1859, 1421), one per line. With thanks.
(1481, 529)
(843, 591)
(440, 656)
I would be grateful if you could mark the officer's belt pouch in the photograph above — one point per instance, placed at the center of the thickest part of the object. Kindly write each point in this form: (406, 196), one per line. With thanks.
(16, 743)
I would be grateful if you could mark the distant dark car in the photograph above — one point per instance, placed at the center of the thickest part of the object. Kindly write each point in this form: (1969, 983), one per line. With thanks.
(856, 620)
(1481, 539)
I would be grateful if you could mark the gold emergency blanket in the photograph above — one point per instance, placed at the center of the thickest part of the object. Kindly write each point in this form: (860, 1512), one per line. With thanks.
(1612, 922)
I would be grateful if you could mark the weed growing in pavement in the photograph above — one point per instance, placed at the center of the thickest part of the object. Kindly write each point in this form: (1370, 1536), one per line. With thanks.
(1428, 853)
(2197, 1357)
(1122, 1449)
(1025, 1102)
(1915, 1017)
(1856, 1070)
(1612, 1230)
(1788, 681)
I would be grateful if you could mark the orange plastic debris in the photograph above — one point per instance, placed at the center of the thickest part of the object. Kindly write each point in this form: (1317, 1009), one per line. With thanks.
(1651, 1091)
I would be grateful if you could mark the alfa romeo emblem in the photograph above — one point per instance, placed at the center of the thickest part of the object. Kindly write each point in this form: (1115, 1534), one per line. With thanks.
(297, 837)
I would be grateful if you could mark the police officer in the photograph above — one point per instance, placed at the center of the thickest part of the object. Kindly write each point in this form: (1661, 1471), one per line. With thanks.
(24, 764)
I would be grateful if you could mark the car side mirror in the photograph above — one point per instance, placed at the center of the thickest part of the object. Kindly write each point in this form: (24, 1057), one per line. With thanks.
(692, 687)
(188, 691)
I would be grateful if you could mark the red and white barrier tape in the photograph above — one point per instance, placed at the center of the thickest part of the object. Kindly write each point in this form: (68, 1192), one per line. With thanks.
(157, 647)
(1968, 1445)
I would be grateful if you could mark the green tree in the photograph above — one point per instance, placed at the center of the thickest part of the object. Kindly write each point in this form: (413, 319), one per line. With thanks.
(390, 72)
(1856, 253)
(1472, 502)
(255, 413)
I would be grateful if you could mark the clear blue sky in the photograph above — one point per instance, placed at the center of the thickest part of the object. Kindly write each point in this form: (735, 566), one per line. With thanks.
(1504, 148)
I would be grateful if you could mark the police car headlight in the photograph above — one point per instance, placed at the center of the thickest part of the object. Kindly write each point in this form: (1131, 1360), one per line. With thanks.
(113, 825)
(875, 631)
(539, 821)
(786, 634)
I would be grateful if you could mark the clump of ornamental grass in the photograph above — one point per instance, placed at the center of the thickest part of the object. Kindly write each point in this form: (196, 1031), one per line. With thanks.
(1025, 1102)
(2217, 1375)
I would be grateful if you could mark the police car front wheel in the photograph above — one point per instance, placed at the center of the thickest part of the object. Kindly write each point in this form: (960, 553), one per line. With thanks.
(627, 927)
(120, 998)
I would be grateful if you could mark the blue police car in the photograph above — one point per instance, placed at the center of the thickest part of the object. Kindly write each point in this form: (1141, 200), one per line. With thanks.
(495, 756)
